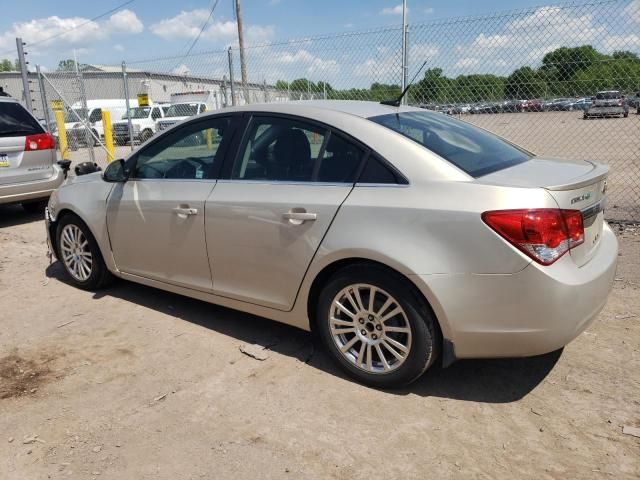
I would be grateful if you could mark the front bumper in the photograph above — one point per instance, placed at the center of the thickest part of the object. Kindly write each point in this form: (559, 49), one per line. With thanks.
(535, 311)
(37, 189)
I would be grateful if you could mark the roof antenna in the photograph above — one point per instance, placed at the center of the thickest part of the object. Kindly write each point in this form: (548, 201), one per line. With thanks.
(398, 101)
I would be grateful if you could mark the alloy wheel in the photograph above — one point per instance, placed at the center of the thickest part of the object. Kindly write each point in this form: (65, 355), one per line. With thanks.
(75, 251)
(370, 328)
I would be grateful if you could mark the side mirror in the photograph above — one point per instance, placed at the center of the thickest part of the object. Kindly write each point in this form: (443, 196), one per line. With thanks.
(115, 172)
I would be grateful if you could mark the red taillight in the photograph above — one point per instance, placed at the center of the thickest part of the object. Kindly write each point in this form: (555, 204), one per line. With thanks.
(544, 234)
(41, 141)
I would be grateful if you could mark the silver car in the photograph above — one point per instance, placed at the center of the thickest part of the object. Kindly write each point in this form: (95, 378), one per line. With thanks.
(396, 234)
(28, 168)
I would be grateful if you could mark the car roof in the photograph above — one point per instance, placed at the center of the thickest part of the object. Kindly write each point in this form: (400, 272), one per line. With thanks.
(358, 108)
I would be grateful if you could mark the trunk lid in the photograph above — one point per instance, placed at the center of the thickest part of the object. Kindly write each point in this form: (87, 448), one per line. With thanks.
(573, 184)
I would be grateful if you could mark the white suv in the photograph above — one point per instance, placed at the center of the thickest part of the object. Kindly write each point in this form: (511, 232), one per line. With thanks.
(143, 123)
(28, 168)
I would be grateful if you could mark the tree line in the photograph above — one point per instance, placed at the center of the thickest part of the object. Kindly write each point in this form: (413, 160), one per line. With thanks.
(564, 72)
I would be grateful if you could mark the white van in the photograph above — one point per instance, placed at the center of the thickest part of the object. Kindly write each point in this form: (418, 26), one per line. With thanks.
(143, 123)
(75, 128)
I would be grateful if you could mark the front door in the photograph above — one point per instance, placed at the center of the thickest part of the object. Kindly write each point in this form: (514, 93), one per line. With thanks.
(265, 222)
(156, 218)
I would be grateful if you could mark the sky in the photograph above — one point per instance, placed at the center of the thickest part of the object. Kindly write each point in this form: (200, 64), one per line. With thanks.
(145, 29)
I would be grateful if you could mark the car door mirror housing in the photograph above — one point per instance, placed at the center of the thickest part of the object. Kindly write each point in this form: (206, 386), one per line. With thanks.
(115, 172)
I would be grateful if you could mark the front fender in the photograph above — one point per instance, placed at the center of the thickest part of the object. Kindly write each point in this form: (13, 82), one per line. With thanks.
(87, 200)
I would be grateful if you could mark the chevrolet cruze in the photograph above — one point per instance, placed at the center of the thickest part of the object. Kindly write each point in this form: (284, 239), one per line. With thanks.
(396, 234)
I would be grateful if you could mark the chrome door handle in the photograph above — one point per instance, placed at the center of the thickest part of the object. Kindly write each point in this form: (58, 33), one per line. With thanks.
(299, 217)
(185, 211)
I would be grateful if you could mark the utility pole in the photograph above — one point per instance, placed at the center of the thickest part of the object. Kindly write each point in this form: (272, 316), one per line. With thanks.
(243, 65)
(24, 73)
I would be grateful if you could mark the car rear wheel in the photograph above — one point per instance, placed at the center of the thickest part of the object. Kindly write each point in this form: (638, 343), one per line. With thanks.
(79, 253)
(375, 327)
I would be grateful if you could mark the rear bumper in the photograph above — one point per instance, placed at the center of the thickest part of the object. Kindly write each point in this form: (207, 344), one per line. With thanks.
(535, 311)
(602, 111)
(38, 189)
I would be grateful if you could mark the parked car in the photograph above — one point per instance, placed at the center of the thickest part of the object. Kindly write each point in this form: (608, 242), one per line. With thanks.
(396, 234)
(143, 123)
(512, 106)
(583, 104)
(28, 168)
(608, 103)
(559, 104)
(532, 106)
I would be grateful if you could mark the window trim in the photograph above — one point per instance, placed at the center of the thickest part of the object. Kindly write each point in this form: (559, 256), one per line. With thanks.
(224, 148)
(242, 138)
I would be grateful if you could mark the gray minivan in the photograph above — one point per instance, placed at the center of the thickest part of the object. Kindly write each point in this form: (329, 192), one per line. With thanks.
(28, 168)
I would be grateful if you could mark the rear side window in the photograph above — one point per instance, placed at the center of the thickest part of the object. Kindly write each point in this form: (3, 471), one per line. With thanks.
(15, 120)
(376, 171)
(469, 148)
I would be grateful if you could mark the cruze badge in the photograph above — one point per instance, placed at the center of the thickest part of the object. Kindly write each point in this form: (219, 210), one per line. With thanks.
(585, 196)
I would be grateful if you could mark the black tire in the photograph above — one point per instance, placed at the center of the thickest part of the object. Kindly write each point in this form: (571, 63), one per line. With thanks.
(625, 114)
(425, 335)
(100, 276)
(120, 141)
(35, 207)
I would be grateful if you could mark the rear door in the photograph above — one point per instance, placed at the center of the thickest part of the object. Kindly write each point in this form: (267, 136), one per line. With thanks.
(266, 220)
(16, 165)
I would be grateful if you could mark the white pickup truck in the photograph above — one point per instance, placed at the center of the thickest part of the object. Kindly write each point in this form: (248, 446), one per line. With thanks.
(143, 123)
(178, 112)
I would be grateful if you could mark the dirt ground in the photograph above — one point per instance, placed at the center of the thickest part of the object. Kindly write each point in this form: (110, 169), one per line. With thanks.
(136, 383)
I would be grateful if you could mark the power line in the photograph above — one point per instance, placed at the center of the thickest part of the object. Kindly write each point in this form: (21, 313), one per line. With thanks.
(195, 40)
(78, 26)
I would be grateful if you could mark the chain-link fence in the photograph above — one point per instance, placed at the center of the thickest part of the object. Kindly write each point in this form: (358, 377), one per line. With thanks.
(561, 81)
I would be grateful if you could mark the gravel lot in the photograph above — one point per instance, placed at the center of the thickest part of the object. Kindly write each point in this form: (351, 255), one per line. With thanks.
(135, 383)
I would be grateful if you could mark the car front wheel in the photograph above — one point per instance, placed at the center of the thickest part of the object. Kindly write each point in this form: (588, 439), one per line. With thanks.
(375, 327)
(79, 253)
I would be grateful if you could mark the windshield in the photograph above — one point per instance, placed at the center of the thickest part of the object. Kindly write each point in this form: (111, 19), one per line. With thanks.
(469, 148)
(607, 95)
(182, 110)
(138, 112)
(70, 116)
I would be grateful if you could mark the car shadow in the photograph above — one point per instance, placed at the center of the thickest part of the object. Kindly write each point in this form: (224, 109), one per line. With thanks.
(12, 215)
(486, 381)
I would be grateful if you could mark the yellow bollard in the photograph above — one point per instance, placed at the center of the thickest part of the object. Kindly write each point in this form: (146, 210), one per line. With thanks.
(209, 135)
(62, 135)
(108, 135)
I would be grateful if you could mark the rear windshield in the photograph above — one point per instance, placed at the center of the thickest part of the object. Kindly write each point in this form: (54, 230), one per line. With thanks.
(469, 148)
(15, 120)
(608, 95)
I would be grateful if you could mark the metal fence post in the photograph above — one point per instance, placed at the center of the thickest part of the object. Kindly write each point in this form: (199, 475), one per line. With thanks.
(24, 73)
(233, 90)
(43, 99)
(126, 99)
(88, 137)
(404, 46)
